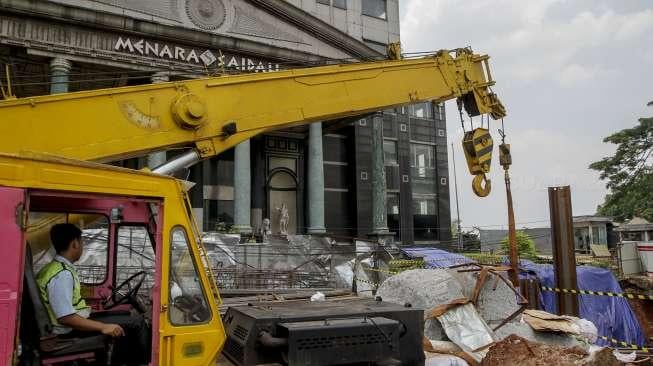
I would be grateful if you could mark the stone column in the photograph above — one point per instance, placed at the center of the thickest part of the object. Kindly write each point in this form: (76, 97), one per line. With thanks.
(258, 182)
(242, 188)
(158, 158)
(315, 180)
(60, 70)
(379, 212)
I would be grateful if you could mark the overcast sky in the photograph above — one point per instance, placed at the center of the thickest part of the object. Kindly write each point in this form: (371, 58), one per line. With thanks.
(569, 74)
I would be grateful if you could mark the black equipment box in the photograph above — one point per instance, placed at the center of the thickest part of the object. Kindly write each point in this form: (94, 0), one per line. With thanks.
(341, 332)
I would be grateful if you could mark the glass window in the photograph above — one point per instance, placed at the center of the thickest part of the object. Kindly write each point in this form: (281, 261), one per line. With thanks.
(421, 159)
(92, 266)
(277, 162)
(324, 2)
(422, 110)
(582, 237)
(425, 219)
(342, 4)
(392, 204)
(187, 296)
(135, 253)
(633, 235)
(375, 8)
(390, 152)
(423, 205)
(392, 207)
(282, 180)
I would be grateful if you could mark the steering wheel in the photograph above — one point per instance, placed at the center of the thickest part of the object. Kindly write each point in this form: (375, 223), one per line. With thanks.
(125, 293)
(193, 308)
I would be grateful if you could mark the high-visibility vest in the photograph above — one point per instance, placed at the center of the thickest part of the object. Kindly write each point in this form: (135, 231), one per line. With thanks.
(43, 278)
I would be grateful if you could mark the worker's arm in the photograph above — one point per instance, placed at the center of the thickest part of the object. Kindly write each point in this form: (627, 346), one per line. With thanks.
(216, 114)
(87, 325)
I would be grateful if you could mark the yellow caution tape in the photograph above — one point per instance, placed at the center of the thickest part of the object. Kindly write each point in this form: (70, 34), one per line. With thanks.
(625, 344)
(598, 293)
(406, 262)
(382, 271)
(374, 284)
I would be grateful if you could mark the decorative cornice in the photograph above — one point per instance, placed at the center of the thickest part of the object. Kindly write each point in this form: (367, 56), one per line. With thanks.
(318, 28)
(120, 23)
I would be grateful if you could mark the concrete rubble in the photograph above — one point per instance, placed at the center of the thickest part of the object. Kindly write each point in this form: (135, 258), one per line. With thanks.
(430, 288)
(425, 289)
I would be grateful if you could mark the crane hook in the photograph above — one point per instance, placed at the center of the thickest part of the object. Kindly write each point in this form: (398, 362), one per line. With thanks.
(481, 185)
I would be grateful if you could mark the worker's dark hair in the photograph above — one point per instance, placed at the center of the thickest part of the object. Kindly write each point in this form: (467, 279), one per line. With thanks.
(62, 235)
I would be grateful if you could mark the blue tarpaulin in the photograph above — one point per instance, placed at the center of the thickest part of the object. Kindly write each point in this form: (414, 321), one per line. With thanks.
(437, 258)
(612, 316)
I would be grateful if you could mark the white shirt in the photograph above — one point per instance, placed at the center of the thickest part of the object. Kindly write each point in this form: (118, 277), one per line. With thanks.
(60, 295)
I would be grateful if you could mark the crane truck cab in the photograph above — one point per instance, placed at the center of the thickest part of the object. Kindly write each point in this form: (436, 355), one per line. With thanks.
(127, 218)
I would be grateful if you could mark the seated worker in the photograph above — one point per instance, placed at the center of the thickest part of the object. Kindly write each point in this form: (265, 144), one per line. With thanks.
(60, 291)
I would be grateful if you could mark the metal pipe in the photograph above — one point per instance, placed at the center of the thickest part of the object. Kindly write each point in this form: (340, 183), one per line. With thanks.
(455, 184)
(513, 251)
(564, 257)
(183, 161)
(269, 340)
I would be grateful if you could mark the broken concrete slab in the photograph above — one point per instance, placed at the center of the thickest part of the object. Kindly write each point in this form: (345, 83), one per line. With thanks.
(525, 331)
(496, 301)
(425, 289)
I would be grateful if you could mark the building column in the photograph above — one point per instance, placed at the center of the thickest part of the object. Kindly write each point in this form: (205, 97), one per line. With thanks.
(258, 183)
(242, 188)
(379, 211)
(60, 70)
(315, 180)
(158, 158)
(591, 236)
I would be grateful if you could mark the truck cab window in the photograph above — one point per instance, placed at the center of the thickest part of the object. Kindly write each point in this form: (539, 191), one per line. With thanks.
(92, 266)
(134, 254)
(187, 296)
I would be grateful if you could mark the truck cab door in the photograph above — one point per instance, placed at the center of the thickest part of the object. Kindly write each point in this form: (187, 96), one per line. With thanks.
(12, 216)
(192, 332)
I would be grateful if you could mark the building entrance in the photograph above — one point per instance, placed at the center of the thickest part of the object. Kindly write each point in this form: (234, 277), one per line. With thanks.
(282, 201)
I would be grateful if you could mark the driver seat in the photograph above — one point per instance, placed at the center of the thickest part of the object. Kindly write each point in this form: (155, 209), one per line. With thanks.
(37, 328)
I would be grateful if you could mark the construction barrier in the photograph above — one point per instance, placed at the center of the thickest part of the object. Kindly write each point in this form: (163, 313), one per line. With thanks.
(614, 341)
(598, 293)
(625, 344)
(405, 262)
(373, 284)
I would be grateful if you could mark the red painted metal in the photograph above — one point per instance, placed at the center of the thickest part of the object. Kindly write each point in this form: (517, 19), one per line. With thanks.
(12, 253)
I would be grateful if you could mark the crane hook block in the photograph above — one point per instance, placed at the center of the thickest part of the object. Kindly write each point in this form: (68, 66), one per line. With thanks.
(477, 145)
(480, 189)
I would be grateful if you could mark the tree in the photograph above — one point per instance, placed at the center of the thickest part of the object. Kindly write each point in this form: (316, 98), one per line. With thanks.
(629, 173)
(525, 245)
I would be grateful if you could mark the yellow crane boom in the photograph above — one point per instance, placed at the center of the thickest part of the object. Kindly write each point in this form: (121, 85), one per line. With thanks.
(215, 114)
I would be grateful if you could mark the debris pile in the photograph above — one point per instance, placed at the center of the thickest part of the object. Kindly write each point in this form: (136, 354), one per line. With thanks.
(517, 351)
(473, 312)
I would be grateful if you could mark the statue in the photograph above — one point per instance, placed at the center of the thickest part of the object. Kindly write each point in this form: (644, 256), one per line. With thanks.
(284, 217)
(265, 230)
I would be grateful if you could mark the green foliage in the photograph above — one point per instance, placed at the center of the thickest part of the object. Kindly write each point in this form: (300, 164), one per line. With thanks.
(525, 245)
(629, 173)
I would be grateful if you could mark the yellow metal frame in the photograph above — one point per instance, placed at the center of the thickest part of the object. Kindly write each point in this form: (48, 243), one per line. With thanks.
(215, 114)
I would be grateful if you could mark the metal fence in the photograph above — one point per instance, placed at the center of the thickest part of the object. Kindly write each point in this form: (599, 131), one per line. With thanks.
(226, 278)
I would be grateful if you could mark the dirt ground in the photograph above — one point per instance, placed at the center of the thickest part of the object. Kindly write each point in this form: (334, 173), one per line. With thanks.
(517, 351)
